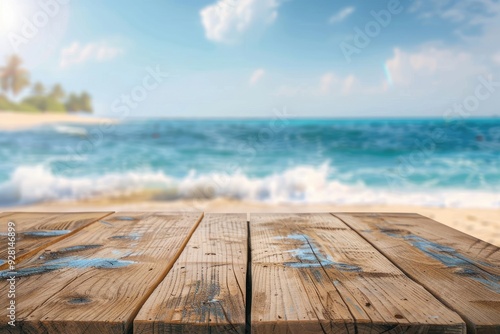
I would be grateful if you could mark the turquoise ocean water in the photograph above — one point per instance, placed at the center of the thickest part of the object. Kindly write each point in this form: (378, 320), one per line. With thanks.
(430, 162)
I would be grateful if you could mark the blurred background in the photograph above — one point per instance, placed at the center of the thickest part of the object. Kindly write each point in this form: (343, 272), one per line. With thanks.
(253, 105)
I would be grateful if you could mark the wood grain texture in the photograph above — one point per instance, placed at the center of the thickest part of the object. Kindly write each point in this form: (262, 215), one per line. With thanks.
(34, 231)
(460, 270)
(96, 280)
(311, 273)
(205, 290)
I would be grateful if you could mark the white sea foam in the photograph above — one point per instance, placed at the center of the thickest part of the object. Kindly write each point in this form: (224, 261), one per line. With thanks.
(71, 130)
(302, 184)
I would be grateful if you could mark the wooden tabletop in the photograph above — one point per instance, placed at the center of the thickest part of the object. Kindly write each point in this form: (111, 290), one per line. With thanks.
(160, 272)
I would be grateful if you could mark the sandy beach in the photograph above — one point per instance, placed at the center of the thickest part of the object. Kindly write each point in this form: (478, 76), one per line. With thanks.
(483, 224)
(11, 121)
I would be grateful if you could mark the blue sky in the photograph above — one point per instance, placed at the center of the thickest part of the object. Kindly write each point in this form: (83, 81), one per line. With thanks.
(250, 58)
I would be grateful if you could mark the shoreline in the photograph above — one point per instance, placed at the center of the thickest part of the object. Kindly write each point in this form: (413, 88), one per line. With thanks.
(481, 223)
(15, 121)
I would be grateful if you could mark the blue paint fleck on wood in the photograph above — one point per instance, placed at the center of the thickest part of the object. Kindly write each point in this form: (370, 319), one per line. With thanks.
(125, 218)
(451, 258)
(309, 255)
(64, 251)
(79, 300)
(67, 262)
(131, 236)
(105, 223)
(46, 233)
(78, 248)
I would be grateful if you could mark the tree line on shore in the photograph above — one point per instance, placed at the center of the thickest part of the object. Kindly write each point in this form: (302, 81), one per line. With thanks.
(14, 79)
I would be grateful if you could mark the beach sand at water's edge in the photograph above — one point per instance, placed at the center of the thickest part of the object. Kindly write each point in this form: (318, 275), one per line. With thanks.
(483, 224)
(11, 121)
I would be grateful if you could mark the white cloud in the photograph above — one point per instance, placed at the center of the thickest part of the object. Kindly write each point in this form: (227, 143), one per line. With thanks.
(326, 82)
(476, 22)
(226, 21)
(256, 76)
(341, 15)
(431, 66)
(467, 13)
(423, 80)
(348, 84)
(434, 78)
(496, 58)
(329, 82)
(77, 53)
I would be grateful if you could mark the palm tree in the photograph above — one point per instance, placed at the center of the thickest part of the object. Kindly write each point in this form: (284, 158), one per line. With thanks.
(14, 78)
(72, 104)
(4, 81)
(57, 92)
(38, 89)
(85, 102)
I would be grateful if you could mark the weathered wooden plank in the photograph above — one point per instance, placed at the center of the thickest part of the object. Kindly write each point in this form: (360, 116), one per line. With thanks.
(96, 280)
(313, 274)
(35, 231)
(205, 290)
(460, 270)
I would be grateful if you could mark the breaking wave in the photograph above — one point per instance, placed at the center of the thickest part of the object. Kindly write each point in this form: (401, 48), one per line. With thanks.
(301, 184)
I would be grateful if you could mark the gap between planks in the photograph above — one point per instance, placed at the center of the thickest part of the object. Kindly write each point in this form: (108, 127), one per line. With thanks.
(373, 300)
(205, 289)
(249, 266)
(474, 324)
(126, 325)
(249, 282)
(164, 274)
(397, 265)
